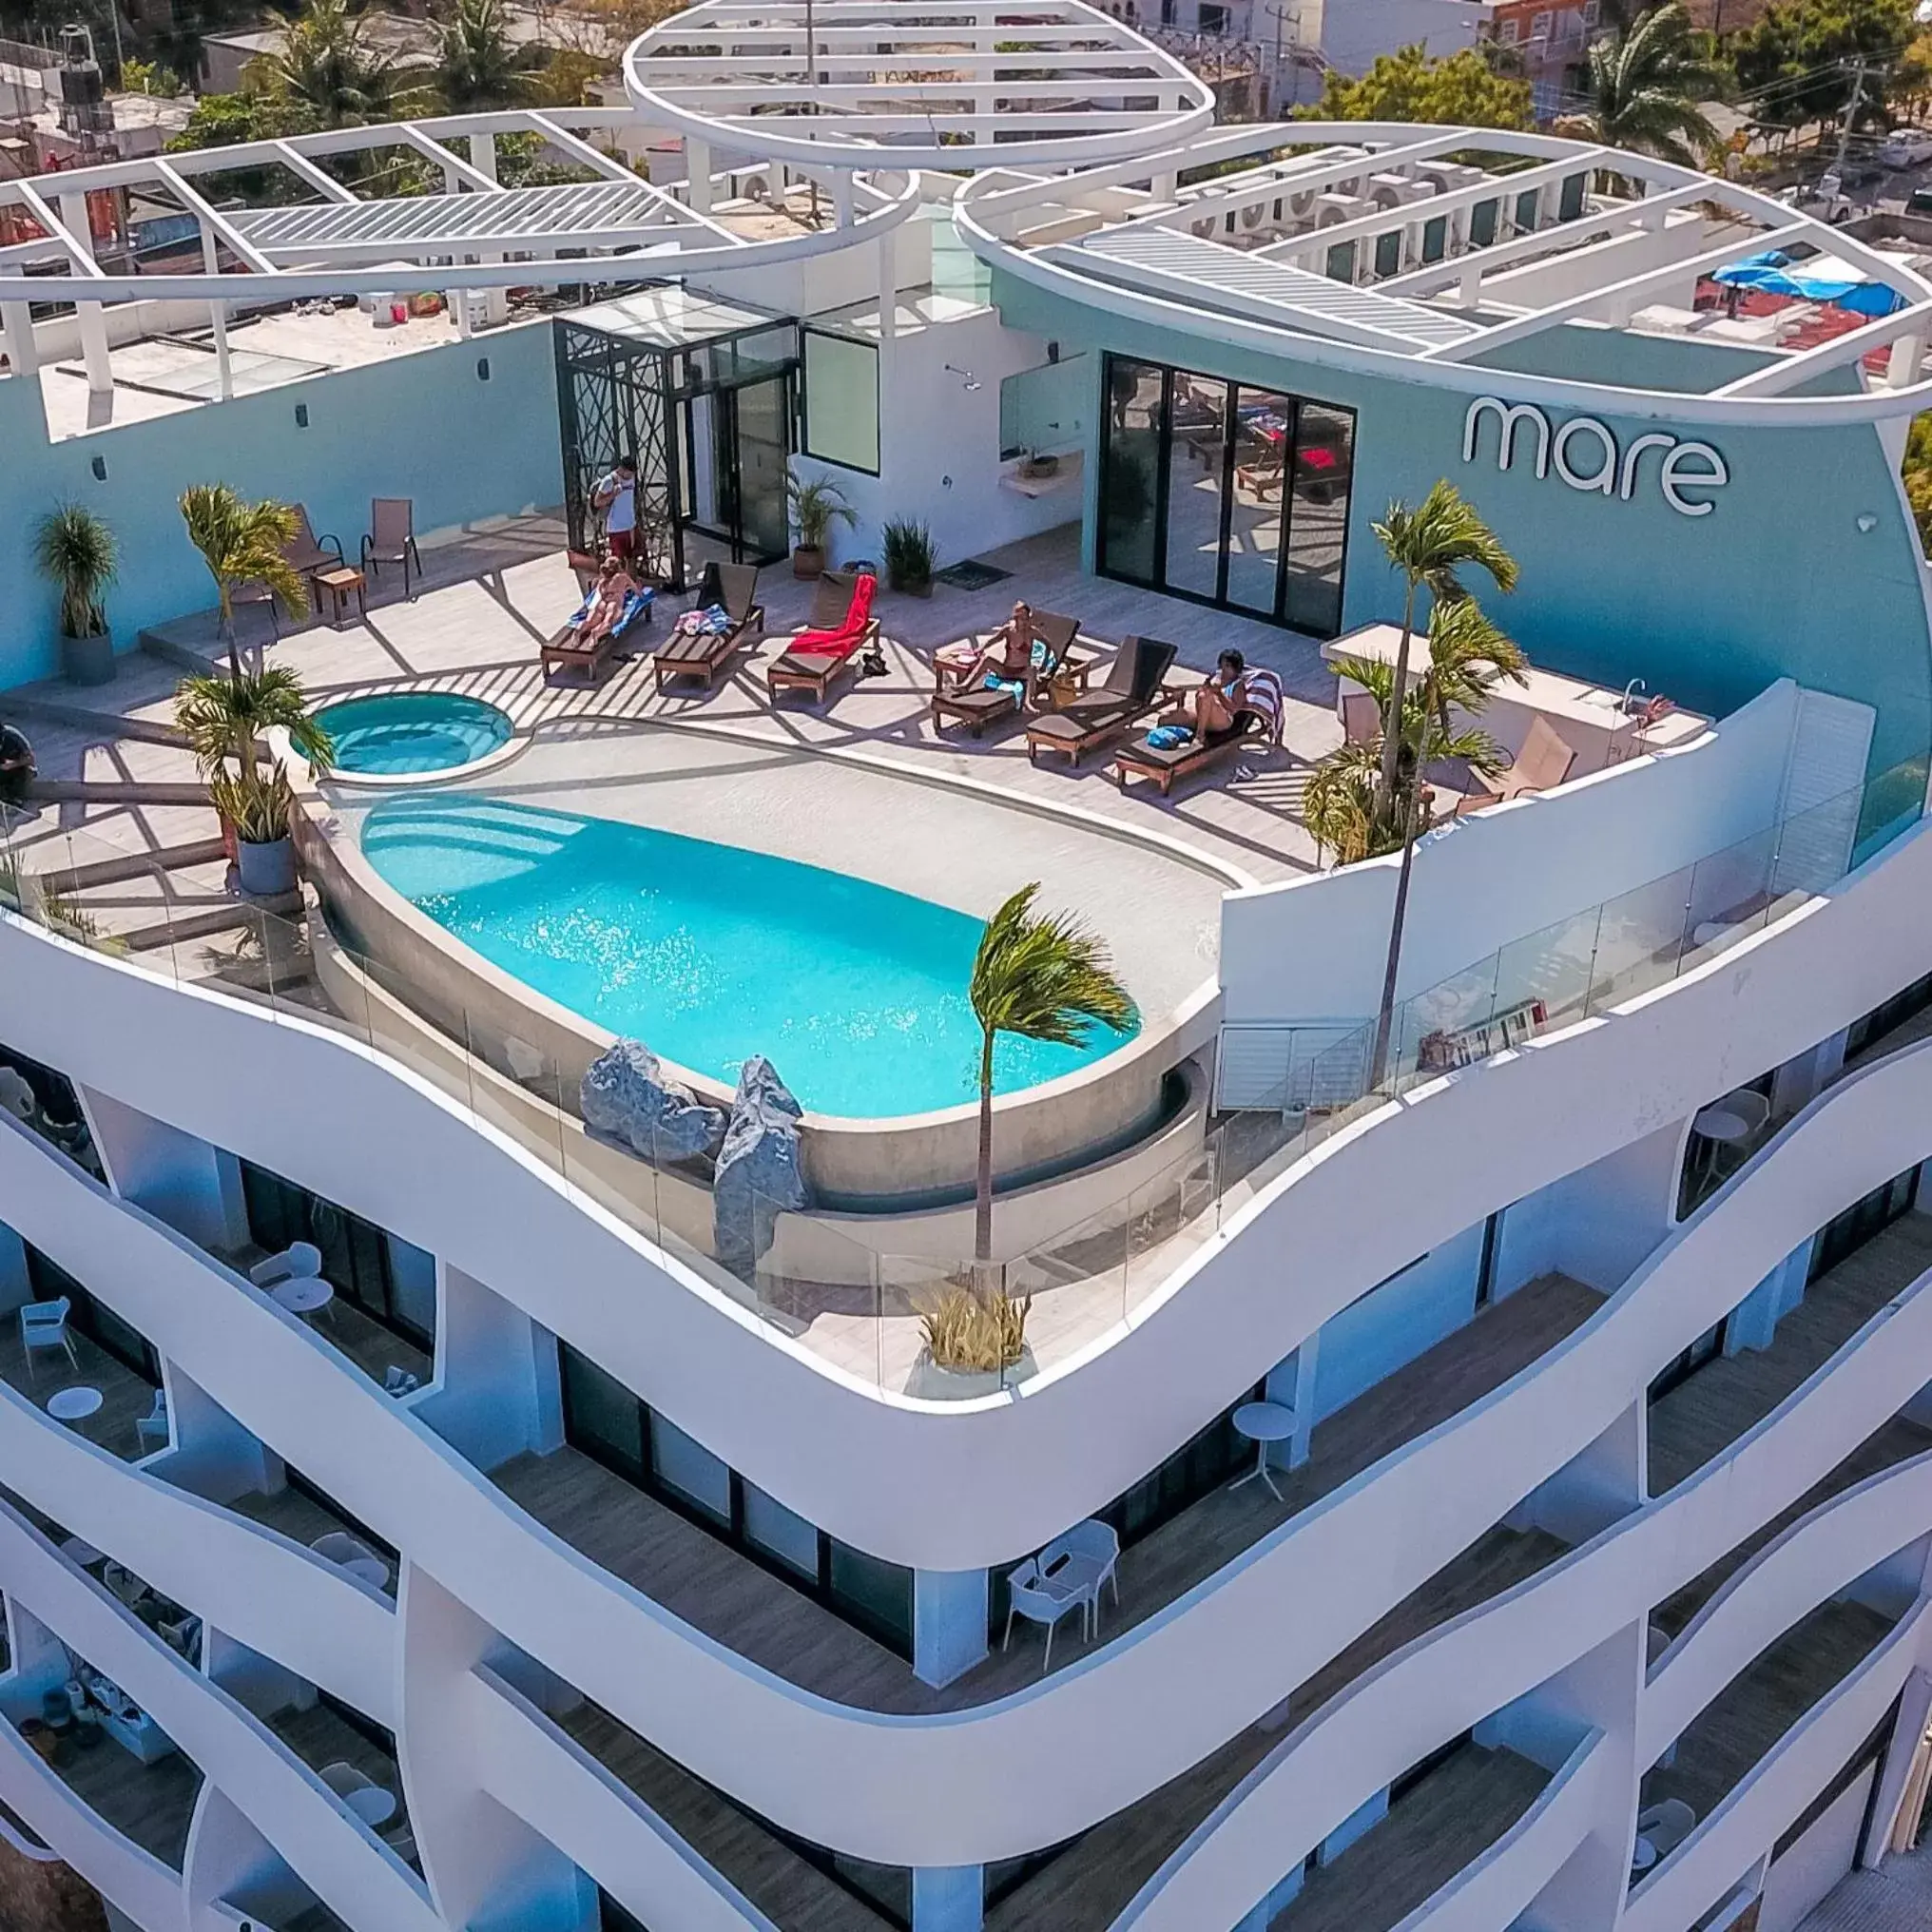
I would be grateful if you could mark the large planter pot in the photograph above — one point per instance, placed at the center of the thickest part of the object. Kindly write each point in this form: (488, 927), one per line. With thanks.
(265, 870)
(808, 561)
(913, 586)
(88, 660)
(930, 1382)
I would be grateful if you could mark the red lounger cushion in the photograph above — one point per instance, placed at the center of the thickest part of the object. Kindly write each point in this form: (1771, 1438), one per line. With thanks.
(848, 636)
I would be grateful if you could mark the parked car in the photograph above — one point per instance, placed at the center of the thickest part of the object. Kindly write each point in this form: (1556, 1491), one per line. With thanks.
(1908, 147)
(1918, 201)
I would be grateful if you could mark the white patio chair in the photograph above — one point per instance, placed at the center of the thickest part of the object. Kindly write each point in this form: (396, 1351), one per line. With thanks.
(43, 1324)
(1028, 1597)
(1096, 1547)
(298, 1261)
(338, 1546)
(152, 1427)
(1667, 1825)
(342, 1778)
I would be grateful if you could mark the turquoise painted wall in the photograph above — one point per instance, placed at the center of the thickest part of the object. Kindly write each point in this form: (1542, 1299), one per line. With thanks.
(1777, 581)
(422, 425)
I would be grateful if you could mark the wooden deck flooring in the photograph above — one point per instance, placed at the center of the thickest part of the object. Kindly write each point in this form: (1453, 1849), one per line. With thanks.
(1735, 1730)
(152, 1804)
(1704, 1416)
(125, 1396)
(698, 1578)
(1446, 1820)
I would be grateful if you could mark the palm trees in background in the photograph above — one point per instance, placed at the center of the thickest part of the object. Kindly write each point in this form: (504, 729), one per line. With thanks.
(328, 66)
(1646, 86)
(477, 64)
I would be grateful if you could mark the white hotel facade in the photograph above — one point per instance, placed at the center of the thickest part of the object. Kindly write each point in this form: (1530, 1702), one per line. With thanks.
(561, 1581)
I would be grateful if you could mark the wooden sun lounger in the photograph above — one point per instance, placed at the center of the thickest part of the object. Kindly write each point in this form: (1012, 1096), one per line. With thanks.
(817, 671)
(979, 706)
(1261, 724)
(1130, 690)
(708, 655)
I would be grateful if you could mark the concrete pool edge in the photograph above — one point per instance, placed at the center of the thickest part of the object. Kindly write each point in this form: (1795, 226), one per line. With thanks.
(1051, 1125)
(519, 740)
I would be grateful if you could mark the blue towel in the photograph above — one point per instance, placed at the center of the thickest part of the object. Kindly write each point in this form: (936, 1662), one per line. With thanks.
(1169, 736)
(1014, 687)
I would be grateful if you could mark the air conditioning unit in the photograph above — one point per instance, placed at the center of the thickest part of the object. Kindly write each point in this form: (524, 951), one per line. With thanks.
(1334, 208)
(1302, 207)
(1251, 215)
(1450, 175)
(1398, 190)
(1205, 228)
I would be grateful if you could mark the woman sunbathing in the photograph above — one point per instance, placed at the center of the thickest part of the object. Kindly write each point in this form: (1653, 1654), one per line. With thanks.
(614, 587)
(1008, 656)
(1219, 701)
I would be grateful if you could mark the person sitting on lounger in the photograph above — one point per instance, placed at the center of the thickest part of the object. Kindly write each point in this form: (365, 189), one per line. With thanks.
(614, 584)
(1009, 655)
(1219, 701)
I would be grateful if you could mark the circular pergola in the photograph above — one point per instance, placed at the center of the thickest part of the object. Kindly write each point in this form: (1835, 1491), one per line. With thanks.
(955, 87)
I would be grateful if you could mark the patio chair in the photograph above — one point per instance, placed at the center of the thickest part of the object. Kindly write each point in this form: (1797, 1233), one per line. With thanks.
(987, 703)
(1030, 1596)
(43, 1324)
(823, 652)
(1667, 1825)
(1543, 762)
(391, 537)
(1259, 723)
(1360, 718)
(694, 652)
(151, 1429)
(253, 590)
(305, 553)
(1130, 690)
(562, 650)
(299, 1260)
(1096, 1547)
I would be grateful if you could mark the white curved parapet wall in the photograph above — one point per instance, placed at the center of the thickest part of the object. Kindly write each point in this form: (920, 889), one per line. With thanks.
(947, 87)
(1241, 259)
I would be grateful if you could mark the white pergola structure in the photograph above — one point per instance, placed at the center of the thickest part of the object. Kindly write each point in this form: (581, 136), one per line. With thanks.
(955, 85)
(474, 235)
(1427, 254)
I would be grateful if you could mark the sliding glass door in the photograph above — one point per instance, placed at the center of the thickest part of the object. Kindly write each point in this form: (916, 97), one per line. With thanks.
(1226, 495)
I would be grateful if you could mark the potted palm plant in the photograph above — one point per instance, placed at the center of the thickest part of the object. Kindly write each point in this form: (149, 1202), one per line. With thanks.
(817, 503)
(242, 543)
(908, 556)
(76, 549)
(223, 718)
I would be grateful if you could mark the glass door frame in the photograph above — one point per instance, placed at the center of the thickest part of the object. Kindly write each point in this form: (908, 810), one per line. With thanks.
(1233, 388)
(723, 400)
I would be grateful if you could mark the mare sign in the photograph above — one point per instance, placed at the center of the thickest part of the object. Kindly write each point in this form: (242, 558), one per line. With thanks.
(1587, 457)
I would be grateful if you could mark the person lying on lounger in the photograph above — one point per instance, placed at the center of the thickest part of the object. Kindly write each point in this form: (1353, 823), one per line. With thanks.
(1219, 701)
(1009, 655)
(614, 584)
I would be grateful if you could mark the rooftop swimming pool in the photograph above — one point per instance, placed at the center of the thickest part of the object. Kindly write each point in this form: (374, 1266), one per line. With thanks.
(711, 953)
(400, 734)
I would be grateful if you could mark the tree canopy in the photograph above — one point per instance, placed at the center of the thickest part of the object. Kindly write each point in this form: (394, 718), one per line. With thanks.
(1795, 62)
(1462, 90)
(1647, 86)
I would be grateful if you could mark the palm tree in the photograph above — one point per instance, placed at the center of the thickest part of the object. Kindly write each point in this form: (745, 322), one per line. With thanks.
(1044, 977)
(1431, 546)
(1476, 657)
(77, 551)
(477, 64)
(1646, 82)
(223, 718)
(242, 542)
(327, 66)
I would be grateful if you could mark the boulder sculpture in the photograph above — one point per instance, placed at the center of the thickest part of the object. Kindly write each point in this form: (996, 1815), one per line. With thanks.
(759, 1173)
(626, 1098)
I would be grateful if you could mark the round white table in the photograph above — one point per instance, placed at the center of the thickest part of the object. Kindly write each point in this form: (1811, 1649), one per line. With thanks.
(303, 1294)
(73, 1405)
(1721, 1124)
(1262, 1424)
(370, 1570)
(373, 1805)
(1643, 1855)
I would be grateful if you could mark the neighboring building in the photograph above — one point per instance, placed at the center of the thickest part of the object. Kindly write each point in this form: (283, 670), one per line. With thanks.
(422, 1512)
(1552, 40)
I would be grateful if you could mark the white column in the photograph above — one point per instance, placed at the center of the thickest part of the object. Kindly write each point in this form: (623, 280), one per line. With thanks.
(483, 159)
(841, 197)
(1902, 367)
(949, 1623)
(697, 172)
(93, 318)
(218, 321)
(16, 333)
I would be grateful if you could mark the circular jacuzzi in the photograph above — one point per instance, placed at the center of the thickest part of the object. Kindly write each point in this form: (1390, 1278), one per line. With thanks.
(413, 734)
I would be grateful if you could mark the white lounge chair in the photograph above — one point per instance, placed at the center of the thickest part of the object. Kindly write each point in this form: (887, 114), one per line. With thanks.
(1028, 1594)
(43, 1324)
(298, 1261)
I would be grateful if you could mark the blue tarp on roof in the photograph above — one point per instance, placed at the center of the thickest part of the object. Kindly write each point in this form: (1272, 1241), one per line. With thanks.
(1773, 272)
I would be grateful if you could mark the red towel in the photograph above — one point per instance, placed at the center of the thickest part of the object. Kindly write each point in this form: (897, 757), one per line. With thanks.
(847, 638)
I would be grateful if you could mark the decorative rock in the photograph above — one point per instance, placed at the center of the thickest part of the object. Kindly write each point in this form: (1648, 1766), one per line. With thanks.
(624, 1095)
(759, 1174)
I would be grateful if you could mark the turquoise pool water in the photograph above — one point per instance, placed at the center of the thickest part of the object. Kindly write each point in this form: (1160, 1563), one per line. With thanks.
(413, 731)
(711, 953)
